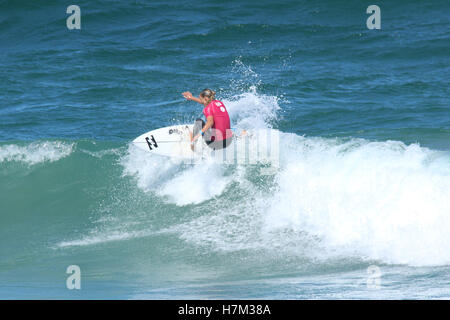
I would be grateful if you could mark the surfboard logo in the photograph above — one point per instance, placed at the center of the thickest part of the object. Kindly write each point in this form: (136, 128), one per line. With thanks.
(150, 141)
(174, 131)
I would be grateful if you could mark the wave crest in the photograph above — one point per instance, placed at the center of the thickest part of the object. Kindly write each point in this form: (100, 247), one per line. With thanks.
(35, 152)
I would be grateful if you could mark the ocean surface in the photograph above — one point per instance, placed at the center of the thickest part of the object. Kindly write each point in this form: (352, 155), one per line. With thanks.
(358, 208)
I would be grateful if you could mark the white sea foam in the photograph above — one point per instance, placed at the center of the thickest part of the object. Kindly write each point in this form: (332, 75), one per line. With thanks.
(151, 171)
(379, 200)
(195, 185)
(251, 110)
(35, 152)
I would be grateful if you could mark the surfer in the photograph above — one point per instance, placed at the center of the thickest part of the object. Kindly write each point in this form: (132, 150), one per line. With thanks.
(216, 131)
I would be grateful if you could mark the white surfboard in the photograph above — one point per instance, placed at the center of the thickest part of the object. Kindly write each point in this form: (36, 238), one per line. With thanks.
(174, 142)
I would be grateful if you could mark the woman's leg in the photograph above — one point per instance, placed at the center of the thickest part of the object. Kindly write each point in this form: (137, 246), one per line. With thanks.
(198, 125)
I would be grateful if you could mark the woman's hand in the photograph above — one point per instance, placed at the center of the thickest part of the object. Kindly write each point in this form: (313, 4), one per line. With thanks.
(187, 95)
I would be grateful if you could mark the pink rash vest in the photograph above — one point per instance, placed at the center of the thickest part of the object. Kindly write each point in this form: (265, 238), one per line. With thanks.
(221, 124)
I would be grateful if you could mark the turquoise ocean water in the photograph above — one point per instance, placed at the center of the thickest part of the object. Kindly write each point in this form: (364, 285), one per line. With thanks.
(364, 177)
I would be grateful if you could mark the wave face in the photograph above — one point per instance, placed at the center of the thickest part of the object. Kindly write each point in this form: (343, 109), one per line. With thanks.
(363, 177)
(34, 153)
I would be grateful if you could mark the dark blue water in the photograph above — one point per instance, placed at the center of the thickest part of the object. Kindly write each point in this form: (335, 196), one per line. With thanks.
(364, 178)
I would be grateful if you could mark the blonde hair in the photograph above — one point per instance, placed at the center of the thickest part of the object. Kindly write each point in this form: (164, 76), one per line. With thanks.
(208, 93)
